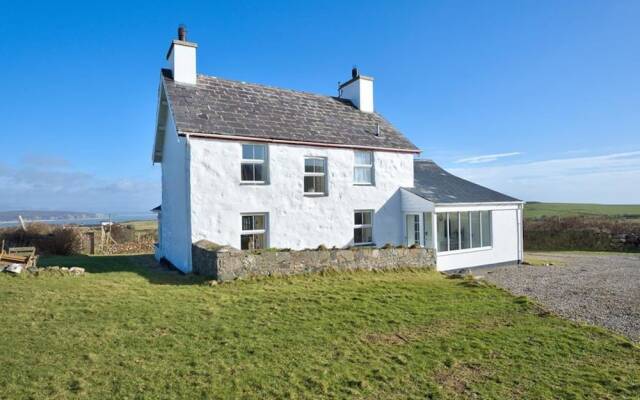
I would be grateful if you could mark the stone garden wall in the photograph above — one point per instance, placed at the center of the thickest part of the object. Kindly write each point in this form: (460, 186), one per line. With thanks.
(225, 263)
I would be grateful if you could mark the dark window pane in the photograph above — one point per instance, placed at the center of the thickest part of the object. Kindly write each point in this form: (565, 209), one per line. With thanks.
(309, 165)
(259, 152)
(245, 242)
(319, 184)
(247, 151)
(320, 166)
(367, 235)
(258, 222)
(366, 218)
(247, 172)
(308, 184)
(258, 172)
(357, 235)
(358, 218)
(259, 241)
(247, 223)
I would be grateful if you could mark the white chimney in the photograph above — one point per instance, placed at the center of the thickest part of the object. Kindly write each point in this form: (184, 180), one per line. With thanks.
(182, 58)
(359, 89)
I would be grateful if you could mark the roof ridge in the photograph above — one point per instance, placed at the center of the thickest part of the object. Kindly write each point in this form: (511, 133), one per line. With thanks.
(261, 85)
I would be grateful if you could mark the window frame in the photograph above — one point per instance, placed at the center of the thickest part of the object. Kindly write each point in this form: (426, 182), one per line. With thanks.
(264, 231)
(255, 161)
(470, 227)
(361, 226)
(325, 191)
(370, 166)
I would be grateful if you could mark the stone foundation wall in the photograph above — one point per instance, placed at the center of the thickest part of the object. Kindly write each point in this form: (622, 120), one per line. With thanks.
(224, 263)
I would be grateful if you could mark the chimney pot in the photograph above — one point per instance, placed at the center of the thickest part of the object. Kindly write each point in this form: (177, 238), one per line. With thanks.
(182, 32)
(354, 72)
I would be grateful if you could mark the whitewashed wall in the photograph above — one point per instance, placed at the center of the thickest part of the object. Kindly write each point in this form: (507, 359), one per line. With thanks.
(295, 221)
(507, 240)
(175, 244)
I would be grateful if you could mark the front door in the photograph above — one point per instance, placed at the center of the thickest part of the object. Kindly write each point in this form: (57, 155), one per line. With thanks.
(412, 226)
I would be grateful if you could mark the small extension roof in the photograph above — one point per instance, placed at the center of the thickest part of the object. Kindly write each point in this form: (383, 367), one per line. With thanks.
(438, 186)
(218, 107)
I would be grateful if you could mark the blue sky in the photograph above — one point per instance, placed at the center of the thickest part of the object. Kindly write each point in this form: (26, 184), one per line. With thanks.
(539, 99)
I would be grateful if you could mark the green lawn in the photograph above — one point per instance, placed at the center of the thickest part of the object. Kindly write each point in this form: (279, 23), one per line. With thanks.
(128, 331)
(536, 210)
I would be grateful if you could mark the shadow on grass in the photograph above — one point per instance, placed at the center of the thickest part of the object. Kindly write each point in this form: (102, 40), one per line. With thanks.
(144, 265)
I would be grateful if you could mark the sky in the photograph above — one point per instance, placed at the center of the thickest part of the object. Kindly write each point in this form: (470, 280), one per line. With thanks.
(537, 99)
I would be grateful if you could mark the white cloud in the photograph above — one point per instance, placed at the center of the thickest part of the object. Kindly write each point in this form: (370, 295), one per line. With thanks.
(611, 178)
(38, 185)
(486, 158)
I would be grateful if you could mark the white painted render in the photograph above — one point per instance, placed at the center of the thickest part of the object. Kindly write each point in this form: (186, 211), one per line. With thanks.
(182, 61)
(295, 221)
(175, 224)
(507, 238)
(360, 92)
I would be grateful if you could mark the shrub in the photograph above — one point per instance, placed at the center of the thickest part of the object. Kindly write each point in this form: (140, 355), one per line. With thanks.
(47, 239)
(581, 233)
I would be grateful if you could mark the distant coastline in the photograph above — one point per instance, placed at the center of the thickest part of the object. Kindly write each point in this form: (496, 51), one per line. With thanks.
(10, 218)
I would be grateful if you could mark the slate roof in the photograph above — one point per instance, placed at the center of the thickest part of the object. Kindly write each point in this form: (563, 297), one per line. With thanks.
(433, 183)
(225, 107)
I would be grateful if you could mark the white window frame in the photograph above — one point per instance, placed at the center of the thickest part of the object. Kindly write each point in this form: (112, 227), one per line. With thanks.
(356, 226)
(370, 166)
(460, 249)
(264, 163)
(256, 231)
(313, 174)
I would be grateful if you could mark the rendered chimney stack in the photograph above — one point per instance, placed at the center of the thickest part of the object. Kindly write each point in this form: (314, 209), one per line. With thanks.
(359, 89)
(182, 58)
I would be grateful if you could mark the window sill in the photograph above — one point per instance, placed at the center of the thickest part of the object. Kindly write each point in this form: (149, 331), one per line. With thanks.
(463, 251)
(253, 183)
(363, 184)
(315, 194)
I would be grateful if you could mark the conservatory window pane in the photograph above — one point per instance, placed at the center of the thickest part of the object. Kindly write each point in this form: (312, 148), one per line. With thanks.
(475, 229)
(428, 230)
(486, 228)
(443, 238)
(454, 231)
(465, 230)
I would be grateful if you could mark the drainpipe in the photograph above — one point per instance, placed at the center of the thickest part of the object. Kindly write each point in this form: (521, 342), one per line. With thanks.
(187, 170)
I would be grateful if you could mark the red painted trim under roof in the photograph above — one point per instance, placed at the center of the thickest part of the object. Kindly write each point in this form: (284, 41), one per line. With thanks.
(293, 142)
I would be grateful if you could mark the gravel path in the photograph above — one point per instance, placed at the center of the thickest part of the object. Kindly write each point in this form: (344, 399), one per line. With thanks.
(601, 289)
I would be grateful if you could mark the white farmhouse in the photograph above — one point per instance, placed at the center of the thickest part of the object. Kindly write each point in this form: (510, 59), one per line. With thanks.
(253, 166)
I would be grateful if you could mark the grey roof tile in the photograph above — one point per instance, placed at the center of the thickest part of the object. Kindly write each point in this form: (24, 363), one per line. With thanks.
(225, 107)
(433, 183)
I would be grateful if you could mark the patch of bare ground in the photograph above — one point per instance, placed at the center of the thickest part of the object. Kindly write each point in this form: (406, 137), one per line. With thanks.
(460, 376)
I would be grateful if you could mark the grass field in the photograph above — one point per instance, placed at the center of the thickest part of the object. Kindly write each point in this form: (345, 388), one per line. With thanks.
(126, 330)
(536, 210)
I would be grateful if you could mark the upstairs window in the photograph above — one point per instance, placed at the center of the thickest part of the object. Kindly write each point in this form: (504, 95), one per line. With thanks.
(315, 176)
(254, 232)
(363, 168)
(254, 163)
(363, 227)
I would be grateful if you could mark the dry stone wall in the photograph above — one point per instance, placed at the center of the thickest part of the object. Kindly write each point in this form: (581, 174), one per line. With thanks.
(224, 263)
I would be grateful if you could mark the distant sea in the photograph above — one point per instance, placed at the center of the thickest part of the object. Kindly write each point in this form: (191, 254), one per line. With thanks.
(88, 221)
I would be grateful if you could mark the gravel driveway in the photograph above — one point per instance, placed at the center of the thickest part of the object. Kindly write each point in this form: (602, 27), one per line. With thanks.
(601, 289)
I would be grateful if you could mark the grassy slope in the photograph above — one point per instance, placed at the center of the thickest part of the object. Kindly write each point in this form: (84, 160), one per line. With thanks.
(127, 331)
(536, 210)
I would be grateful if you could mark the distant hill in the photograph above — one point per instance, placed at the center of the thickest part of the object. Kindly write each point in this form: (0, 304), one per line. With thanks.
(537, 210)
(31, 215)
